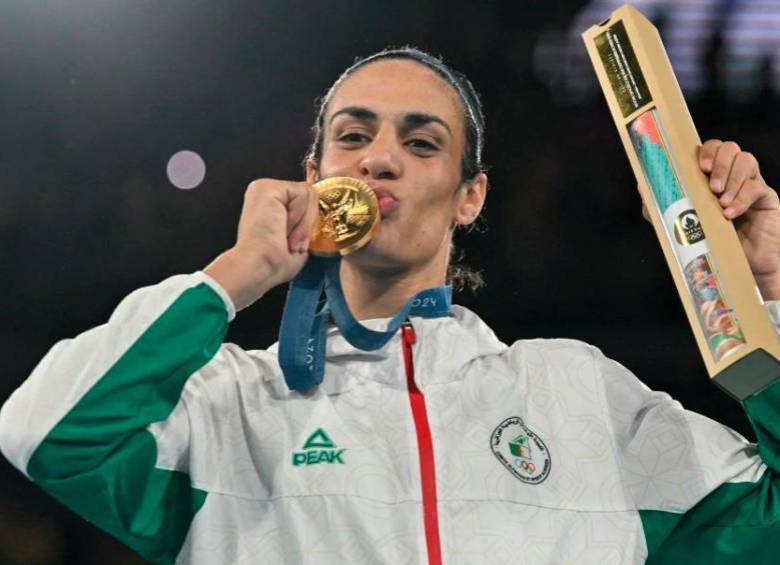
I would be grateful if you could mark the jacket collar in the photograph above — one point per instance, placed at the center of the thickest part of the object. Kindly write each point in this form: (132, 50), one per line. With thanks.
(445, 347)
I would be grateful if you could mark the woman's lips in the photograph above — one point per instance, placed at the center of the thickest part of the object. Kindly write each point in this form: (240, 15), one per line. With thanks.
(387, 202)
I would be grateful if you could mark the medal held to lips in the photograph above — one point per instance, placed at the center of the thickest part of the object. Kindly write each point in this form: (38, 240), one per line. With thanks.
(349, 216)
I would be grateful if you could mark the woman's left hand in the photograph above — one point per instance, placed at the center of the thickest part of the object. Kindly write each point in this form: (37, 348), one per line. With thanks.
(746, 199)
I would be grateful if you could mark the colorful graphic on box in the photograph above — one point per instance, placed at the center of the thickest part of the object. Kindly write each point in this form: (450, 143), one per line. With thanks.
(656, 164)
(717, 319)
(720, 325)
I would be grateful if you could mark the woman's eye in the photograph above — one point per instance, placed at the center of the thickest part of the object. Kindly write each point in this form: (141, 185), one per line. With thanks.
(352, 137)
(422, 145)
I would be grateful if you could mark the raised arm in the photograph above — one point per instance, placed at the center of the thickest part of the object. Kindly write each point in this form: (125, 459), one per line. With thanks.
(79, 425)
(703, 493)
(82, 426)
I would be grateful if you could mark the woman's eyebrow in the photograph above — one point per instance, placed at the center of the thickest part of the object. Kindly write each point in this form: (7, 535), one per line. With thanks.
(410, 121)
(414, 120)
(358, 112)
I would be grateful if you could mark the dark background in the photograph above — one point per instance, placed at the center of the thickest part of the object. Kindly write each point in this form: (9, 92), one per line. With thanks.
(96, 96)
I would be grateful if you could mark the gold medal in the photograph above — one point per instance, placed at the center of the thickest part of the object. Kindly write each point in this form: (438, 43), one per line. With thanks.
(349, 216)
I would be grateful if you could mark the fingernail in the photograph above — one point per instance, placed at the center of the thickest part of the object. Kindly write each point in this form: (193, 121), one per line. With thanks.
(728, 212)
(716, 185)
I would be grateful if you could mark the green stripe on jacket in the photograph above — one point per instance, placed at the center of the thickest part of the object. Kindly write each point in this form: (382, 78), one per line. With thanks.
(99, 459)
(735, 523)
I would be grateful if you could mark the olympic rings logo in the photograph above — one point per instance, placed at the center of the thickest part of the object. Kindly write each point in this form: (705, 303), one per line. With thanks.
(527, 466)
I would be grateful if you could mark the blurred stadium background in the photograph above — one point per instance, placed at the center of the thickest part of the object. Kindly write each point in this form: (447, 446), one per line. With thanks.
(97, 96)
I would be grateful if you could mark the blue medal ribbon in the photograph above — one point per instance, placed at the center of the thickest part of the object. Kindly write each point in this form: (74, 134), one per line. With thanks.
(302, 332)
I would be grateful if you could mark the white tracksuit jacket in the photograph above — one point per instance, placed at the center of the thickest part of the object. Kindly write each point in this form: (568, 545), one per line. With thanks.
(455, 449)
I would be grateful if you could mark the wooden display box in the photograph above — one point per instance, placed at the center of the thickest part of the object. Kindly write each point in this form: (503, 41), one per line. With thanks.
(733, 331)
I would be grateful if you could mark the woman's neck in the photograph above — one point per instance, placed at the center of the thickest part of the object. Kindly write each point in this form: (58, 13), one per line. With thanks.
(372, 294)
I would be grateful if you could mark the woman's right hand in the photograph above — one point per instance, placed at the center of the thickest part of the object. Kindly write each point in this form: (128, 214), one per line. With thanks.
(274, 230)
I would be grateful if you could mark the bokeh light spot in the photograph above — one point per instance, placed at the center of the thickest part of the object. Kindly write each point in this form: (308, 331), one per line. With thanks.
(186, 170)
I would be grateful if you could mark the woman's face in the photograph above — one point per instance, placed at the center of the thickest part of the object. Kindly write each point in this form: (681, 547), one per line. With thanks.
(399, 127)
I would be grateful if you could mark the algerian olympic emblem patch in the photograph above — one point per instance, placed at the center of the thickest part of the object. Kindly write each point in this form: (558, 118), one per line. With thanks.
(521, 451)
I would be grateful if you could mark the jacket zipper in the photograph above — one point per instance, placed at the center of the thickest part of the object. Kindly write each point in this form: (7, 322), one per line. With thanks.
(424, 449)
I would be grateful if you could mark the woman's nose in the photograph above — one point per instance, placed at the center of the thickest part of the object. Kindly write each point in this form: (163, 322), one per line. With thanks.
(381, 158)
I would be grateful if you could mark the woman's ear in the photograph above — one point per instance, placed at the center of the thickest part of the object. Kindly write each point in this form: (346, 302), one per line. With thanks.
(471, 198)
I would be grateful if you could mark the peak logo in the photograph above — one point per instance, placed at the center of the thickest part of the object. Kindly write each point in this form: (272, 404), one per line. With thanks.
(319, 448)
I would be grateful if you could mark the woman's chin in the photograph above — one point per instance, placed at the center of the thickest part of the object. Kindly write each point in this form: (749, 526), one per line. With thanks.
(378, 256)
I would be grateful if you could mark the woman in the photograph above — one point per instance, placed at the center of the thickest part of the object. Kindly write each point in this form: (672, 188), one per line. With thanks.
(443, 445)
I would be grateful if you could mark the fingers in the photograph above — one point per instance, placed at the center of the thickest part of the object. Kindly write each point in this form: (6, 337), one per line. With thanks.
(707, 154)
(723, 161)
(754, 194)
(645, 213)
(745, 167)
(310, 218)
(301, 212)
(735, 178)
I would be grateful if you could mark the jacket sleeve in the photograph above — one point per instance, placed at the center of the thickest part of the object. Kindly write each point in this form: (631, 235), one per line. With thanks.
(79, 425)
(704, 494)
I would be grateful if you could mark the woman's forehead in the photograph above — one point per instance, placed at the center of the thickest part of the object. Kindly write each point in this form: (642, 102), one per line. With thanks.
(398, 87)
